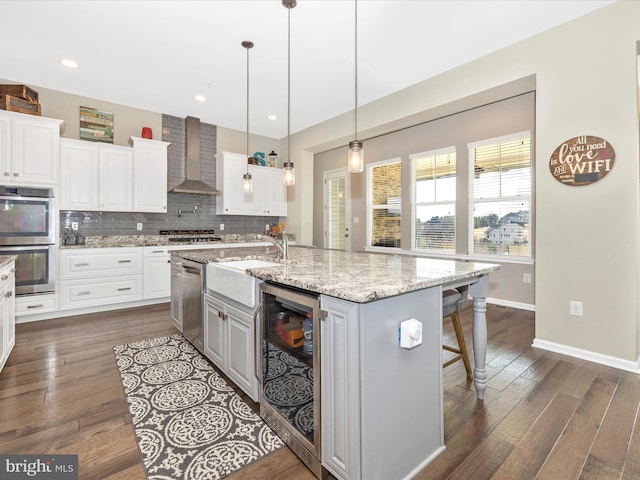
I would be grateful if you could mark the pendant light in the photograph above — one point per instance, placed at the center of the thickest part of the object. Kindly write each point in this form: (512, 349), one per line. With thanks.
(247, 181)
(356, 151)
(289, 174)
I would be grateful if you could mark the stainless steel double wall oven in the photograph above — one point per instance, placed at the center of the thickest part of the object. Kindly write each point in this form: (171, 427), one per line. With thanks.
(28, 231)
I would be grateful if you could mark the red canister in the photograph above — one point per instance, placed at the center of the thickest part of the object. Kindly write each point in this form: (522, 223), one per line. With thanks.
(147, 133)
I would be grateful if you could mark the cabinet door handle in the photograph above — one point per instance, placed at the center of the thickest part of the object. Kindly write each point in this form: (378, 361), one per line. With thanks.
(4, 277)
(157, 251)
(124, 261)
(9, 294)
(37, 305)
(222, 315)
(86, 292)
(86, 264)
(6, 174)
(16, 174)
(124, 289)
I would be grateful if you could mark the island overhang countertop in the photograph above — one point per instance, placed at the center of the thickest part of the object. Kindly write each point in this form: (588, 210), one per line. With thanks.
(354, 276)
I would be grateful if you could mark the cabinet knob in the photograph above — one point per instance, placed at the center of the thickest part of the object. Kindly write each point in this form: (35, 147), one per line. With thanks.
(6, 174)
(16, 174)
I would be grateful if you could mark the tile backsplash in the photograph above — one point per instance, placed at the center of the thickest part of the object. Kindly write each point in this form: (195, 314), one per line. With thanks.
(184, 211)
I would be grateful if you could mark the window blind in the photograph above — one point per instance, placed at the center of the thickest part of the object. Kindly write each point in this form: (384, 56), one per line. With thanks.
(500, 187)
(385, 204)
(435, 200)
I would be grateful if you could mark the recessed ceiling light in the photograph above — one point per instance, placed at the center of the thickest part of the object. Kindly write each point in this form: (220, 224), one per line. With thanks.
(200, 98)
(272, 117)
(69, 63)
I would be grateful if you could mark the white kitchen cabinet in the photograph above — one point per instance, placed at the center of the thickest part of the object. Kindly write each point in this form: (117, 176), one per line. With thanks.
(29, 149)
(340, 388)
(7, 311)
(100, 276)
(36, 304)
(229, 342)
(156, 272)
(367, 376)
(95, 176)
(116, 178)
(230, 167)
(269, 194)
(149, 175)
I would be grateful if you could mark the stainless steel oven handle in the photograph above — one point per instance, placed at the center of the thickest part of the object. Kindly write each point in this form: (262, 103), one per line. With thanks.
(258, 350)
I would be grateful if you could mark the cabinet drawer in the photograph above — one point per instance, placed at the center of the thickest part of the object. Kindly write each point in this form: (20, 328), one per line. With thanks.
(100, 262)
(80, 293)
(33, 304)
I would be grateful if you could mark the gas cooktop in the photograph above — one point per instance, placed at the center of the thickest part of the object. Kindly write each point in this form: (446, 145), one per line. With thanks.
(191, 236)
(194, 239)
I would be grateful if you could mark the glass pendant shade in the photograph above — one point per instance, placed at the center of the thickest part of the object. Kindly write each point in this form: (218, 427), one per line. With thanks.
(289, 174)
(356, 156)
(247, 183)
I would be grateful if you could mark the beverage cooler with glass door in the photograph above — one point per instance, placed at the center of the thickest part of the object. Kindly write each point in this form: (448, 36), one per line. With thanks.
(290, 369)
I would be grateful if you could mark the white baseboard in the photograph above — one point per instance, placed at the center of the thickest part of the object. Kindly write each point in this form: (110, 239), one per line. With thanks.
(509, 303)
(627, 365)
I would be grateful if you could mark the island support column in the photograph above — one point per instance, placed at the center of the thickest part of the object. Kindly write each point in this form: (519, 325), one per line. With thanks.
(479, 291)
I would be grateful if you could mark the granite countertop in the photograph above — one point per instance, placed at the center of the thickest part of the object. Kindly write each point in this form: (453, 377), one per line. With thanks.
(355, 276)
(108, 241)
(4, 259)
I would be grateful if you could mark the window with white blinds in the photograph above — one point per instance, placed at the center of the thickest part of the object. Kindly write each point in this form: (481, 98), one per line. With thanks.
(384, 193)
(500, 196)
(435, 200)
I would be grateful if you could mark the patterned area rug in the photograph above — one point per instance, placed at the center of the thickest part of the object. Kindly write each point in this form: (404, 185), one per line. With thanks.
(188, 421)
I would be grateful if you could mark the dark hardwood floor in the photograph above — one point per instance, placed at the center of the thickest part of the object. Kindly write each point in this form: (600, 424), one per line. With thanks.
(545, 416)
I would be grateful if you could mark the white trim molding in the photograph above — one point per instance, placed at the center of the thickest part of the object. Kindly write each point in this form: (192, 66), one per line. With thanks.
(509, 303)
(627, 365)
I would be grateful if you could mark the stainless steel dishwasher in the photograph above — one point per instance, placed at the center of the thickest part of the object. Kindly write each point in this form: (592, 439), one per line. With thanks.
(190, 290)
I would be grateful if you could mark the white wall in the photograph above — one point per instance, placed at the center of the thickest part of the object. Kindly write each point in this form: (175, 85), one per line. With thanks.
(587, 237)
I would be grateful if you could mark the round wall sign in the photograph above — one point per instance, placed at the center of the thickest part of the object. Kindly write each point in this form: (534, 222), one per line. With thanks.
(582, 160)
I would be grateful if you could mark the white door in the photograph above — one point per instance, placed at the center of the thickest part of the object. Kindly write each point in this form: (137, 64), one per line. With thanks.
(337, 209)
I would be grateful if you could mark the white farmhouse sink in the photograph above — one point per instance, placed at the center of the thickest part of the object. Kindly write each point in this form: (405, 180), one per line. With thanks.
(230, 280)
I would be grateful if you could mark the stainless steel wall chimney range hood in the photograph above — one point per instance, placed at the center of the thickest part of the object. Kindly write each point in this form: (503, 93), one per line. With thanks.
(193, 183)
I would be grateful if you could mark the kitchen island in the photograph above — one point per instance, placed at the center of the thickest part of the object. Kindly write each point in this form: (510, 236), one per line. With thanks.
(381, 404)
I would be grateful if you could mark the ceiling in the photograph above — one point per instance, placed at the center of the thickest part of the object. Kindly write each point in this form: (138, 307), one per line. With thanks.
(156, 55)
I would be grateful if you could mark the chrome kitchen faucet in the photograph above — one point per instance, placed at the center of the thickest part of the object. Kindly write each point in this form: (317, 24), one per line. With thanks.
(282, 245)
